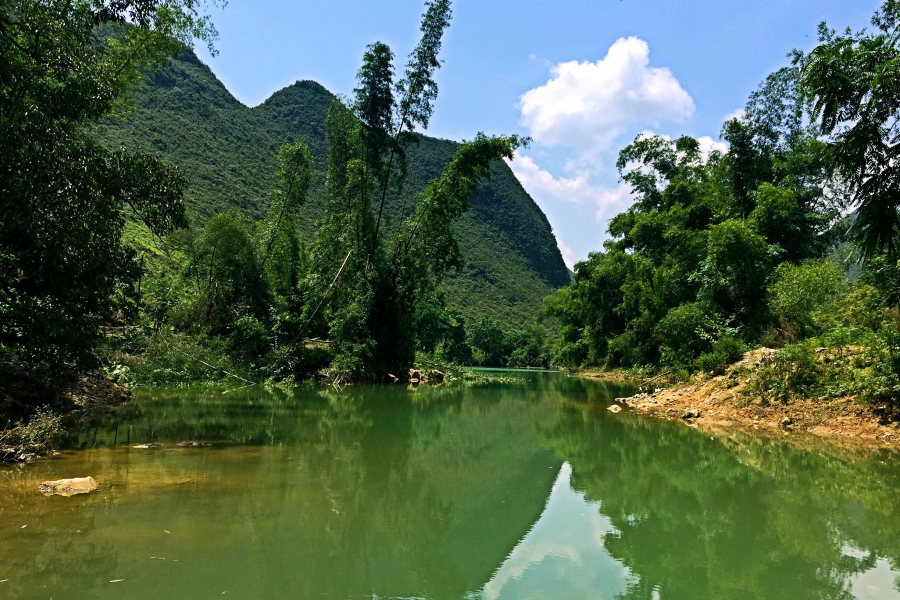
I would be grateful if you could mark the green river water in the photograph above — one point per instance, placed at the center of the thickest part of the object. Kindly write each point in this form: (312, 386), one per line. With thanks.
(525, 490)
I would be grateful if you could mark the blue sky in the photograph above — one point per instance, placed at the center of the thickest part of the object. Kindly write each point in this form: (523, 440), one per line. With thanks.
(582, 77)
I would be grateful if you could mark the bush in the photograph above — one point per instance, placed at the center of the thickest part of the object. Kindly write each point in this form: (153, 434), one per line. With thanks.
(800, 290)
(249, 338)
(725, 351)
(679, 332)
(27, 442)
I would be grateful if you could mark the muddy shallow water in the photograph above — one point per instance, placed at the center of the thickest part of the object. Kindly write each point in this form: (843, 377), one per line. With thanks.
(524, 490)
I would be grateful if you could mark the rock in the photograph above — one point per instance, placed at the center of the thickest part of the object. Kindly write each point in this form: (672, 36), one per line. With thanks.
(437, 375)
(145, 446)
(191, 444)
(691, 413)
(413, 380)
(415, 374)
(821, 350)
(787, 421)
(615, 408)
(68, 487)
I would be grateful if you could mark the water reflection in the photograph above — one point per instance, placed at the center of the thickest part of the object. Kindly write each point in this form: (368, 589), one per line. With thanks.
(563, 555)
(530, 490)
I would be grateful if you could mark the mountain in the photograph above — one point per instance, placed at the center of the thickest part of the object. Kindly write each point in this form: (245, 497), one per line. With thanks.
(228, 152)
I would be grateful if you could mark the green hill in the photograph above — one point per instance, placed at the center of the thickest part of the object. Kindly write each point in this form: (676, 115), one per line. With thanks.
(228, 152)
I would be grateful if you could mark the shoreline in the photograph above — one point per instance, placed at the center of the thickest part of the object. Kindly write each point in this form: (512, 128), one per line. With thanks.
(716, 402)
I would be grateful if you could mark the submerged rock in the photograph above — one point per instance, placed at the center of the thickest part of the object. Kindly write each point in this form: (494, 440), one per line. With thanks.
(691, 413)
(145, 446)
(68, 487)
(614, 408)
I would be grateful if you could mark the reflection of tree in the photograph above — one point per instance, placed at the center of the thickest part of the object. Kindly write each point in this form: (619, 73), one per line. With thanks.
(322, 493)
(747, 519)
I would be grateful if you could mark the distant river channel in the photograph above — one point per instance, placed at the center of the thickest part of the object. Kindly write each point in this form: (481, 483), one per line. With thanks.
(521, 490)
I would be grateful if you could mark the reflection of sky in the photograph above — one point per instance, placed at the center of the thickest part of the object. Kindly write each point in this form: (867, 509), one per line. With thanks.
(881, 582)
(563, 555)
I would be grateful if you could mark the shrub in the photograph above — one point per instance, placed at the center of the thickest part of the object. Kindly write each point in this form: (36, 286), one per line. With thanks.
(725, 351)
(679, 332)
(38, 437)
(800, 290)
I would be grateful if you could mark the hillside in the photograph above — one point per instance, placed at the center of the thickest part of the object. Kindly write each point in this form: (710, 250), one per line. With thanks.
(228, 151)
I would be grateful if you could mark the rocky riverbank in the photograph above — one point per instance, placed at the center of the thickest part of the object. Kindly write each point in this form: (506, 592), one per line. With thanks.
(729, 400)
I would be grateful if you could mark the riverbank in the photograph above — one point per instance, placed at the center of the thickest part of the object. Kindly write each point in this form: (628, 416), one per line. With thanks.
(37, 407)
(733, 400)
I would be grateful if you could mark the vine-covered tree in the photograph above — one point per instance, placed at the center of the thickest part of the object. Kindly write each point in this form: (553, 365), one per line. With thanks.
(365, 276)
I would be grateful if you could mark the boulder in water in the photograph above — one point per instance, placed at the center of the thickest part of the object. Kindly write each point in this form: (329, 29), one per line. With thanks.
(69, 487)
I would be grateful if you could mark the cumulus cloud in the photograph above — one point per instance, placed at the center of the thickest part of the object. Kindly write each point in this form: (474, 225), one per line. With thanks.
(707, 145)
(568, 189)
(567, 253)
(738, 114)
(589, 104)
(544, 187)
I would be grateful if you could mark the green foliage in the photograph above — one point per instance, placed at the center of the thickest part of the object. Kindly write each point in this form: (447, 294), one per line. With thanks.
(853, 83)
(725, 351)
(680, 332)
(63, 197)
(488, 343)
(800, 290)
(683, 283)
(509, 256)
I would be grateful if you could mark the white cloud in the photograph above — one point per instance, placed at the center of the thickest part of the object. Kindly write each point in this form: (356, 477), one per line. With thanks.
(568, 189)
(567, 253)
(589, 104)
(545, 187)
(707, 145)
(738, 114)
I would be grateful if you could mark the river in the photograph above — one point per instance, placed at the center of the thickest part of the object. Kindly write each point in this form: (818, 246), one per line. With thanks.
(523, 490)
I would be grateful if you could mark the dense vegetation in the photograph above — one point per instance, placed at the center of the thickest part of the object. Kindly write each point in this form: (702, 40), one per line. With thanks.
(184, 115)
(761, 244)
(337, 268)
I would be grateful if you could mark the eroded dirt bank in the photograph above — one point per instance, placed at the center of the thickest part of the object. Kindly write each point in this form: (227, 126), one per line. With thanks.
(727, 401)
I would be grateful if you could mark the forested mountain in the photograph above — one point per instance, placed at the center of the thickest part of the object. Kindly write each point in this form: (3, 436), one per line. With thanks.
(228, 152)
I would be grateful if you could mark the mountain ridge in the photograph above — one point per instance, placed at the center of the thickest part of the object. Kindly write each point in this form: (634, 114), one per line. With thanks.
(228, 152)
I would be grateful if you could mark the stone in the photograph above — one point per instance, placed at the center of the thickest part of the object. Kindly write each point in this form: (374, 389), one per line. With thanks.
(821, 350)
(691, 413)
(192, 444)
(614, 408)
(413, 380)
(68, 487)
(145, 446)
(415, 374)
(787, 421)
(437, 375)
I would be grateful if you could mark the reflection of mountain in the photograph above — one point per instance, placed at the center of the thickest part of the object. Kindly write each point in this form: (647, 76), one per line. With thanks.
(446, 493)
(371, 491)
(697, 517)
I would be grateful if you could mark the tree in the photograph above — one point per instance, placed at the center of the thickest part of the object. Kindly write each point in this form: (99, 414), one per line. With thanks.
(365, 278)
(687, 268)
(63, 198)
(853, 83)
